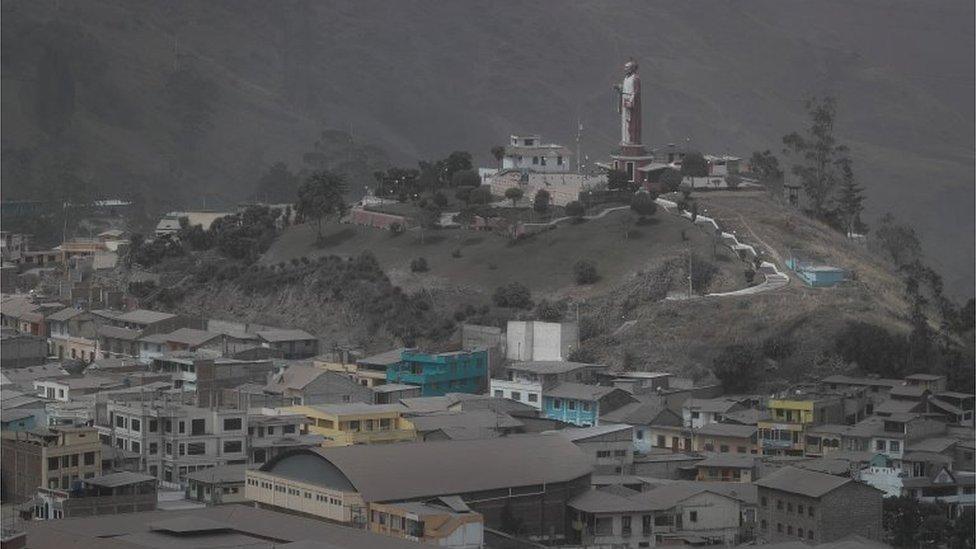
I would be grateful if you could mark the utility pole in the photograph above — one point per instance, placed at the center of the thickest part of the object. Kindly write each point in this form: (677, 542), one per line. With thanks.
(579, 154)
(689, 274)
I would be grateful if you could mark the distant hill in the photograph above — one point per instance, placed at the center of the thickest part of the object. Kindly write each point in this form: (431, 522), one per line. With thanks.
(175, 102)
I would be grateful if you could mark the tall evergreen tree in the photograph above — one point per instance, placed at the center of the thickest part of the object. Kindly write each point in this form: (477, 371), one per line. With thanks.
(850, 201)
(818, 155)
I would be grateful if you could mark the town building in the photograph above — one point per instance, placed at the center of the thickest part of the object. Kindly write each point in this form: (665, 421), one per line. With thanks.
(698, 412)
(727, 468)
(49, 458)
(642, 416)
(19, 350)
(531, 477)
(637, 383)
(609, 446)
(65, 389)
(526, 381)
(580, 404)
(528, 152)
(791, 415)
(217, 485)
(797, 504)
(20, 420)
(206, 527)
(463, 425)
(563, 187)
(444, 522)
(293, 344)
(533, 340)
(72, 334)
(305, 384)
(111, 494)
(440, 373)
(356, 423)
(726, 438)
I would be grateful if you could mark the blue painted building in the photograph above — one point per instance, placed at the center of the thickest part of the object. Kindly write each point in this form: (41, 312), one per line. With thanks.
(581, 404)
(19, 420)
(818, 276)
(441, 373)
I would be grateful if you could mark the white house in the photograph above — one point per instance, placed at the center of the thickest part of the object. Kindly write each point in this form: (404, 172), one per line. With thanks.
(529, 152)
(540, 341)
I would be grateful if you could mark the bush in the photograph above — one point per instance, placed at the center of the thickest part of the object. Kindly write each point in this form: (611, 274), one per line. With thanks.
(643, 204)
(397, 228)
(585, 272)
(778, 347)
(739, 368)
(670, 180)
(480, 195)
(456, 253)
(582, 355)
(548, 311)
(419, 265)
(575, 209)
(513, 295)
(733, 181)
(874, 349)
(541, 201)
(702, 273)
(440, 199)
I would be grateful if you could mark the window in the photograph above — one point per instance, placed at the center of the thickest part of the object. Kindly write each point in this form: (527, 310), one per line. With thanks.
(879, 445)
(53, 464)
(810, 534)
(693, 516)
(571, 404)
(799, 509)
(169, 448)
(763, 525)
(533, 397)
(603, 526)
(740, 449)
(779, 527)
(135, 447)
(660, 441)
(779, 504)
(625, 525)
(557, 404)
(789, 507)
(182, 449)
(894, 446)
(603, 453)
(232, 424)
(153, 448)
(196, 448)
(516, 395)
(290, 429)
(789, 530)
(559, 160)
(89, 458)
(120, 422)
(74, 460)
(182, 427)
(535, 160)
(639, 434)
(499, 393)
(764, 502)
(271, 430)
(198, 427)
(695, 415)
(586, 406)
(620, 453)
(232, 446)
(724, 448)
(646, 524)
(167, 426)
(810, 510)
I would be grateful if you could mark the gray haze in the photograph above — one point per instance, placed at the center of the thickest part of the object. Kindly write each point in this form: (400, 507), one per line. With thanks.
(164, 99)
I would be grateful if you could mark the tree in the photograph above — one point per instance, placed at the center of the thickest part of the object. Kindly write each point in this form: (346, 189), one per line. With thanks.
(617, 180)
(320, 197)
(541, 201)
(850, 203)
(480, 195)
(465, 178)
(739, 368)
(465, 217)
(514, 194)
(694, 165)
(575, 210)
(670, 180)
(498, 152)
(643, 204)
(397, 182)
(765, 166)
(817, 154)
(897, 241)
(419, 265)
(277, 185)
(428, 218)
(440, 199)
(872, 348)
(513, 295)
(585, 272)
(733, 181)
(913, 523)
(464, 194)
(456, 162)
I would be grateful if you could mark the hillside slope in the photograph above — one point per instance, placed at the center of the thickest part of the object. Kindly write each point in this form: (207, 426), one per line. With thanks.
(170, 101)
(627, 317)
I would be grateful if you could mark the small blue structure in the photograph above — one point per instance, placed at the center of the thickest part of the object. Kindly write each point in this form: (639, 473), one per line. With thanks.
(19, 420)
(818, 276)
(581, 404)
(441, 373)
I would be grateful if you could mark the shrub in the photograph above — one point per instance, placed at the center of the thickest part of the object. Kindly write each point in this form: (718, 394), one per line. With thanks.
(643, 204)
(739, 368)
(480, 195)
(397, 228)
(582, 355)
(548, 311)
(575, 209)
(419, 265)
(456, 253)
(585, 272)
(513, 295)
(778, 347)
(702, 273)
(440, 199)
(541, 201)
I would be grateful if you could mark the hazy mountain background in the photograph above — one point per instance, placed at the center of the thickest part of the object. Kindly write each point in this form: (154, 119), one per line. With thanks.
(175, 103)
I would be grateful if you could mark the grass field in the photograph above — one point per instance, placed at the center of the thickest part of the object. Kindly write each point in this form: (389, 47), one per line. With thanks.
(544, 262)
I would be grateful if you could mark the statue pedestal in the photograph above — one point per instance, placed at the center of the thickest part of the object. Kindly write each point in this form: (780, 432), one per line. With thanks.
(629, 158)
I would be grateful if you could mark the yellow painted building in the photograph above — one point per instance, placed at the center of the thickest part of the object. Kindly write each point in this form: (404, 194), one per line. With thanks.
(783, 433)
(357, 423)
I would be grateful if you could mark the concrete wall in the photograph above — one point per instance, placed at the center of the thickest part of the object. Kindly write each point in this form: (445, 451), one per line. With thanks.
(533, 340)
